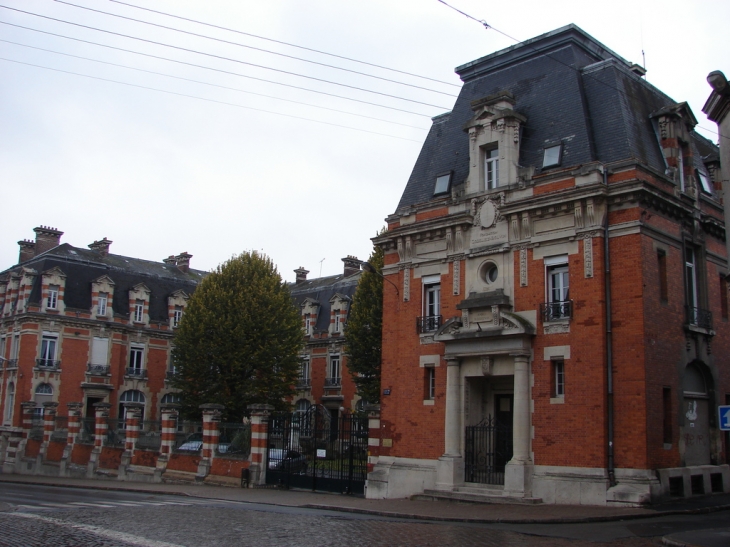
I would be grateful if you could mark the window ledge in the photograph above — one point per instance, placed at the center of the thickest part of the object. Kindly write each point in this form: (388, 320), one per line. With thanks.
(557, 400)
(558, 326)
(429, 402)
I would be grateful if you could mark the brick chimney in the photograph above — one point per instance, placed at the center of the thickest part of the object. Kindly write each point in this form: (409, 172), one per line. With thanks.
(301, 275)
(170, 260)
(46, 238)
(27, 250)
(101, 247)
(183, 262)
(352, 265)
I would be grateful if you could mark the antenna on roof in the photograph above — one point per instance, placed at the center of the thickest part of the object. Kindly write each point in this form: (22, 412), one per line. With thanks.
(320, 267)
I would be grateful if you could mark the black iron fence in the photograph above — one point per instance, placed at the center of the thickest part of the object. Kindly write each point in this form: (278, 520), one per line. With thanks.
(553, 311)
(428, 323)
(487, 449)
(234, 440)
(699, 317)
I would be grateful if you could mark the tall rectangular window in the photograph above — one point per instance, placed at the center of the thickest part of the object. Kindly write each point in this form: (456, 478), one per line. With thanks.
(432, 306)
(429, 383)
(667, 414)
(723, 297)
(558, 288)
(304, 373)
(335, 373)
(338, 321)
(307, 324)
(690, 276)
(139, 311)
(99, 351)
(101, 303)
(177, 316)
(48, 350)
(558, 380)
(491, 169)
(663, 286)
(52, 300)
(136, 357)
(15, 347)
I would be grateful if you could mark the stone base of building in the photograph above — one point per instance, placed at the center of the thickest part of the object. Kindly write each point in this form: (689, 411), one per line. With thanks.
(400, 477)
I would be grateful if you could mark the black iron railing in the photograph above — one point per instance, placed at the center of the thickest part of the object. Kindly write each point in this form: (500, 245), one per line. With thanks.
(97, 370)
(553, 311)
(487, 449)
(47, 364)
(699, 318)
(11, 363)
(428, 323)
(333, 382)
(304, 383)
(136, 372)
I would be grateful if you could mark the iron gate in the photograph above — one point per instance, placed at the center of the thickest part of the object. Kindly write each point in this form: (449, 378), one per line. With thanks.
(487, 449)
(317, 451)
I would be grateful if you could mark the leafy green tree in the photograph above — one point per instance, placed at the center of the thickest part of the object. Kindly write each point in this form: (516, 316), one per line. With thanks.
(239, 340)
(364, 331)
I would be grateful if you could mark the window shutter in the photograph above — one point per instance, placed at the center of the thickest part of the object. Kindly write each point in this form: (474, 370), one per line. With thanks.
(99, 351)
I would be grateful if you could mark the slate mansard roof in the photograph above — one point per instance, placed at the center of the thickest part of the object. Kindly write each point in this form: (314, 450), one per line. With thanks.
(572, 90)
(322, 290)
(84, 266)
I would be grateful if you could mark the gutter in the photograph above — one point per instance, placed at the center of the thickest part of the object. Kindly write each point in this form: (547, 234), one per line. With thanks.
(609, 338)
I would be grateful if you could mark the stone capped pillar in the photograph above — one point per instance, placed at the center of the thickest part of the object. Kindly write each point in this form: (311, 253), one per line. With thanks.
(49, 421)
(373, 412)
(28, 408)
(259, 441)
(450, 467)
(74, 422)
(169, 415)
(211, 419)
(518, 472)
(101, 425)
(133, 412)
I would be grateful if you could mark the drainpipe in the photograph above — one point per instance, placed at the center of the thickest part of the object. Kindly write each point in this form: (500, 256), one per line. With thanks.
(609, 337)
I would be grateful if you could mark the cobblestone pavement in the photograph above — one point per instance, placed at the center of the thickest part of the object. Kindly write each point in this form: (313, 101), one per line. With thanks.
(200, 526)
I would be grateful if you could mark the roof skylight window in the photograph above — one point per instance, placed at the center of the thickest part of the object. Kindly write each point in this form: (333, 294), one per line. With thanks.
(552, 156)
(443, 183)
(705, 181)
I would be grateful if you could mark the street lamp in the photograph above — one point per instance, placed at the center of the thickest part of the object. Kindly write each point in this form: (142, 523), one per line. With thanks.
(371, 269)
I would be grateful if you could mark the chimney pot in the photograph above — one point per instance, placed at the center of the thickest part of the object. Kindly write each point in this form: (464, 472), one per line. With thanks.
(352, 265)
(183, 262)
(301, 274)
(27, 250)
(101, 247)
(46, 238)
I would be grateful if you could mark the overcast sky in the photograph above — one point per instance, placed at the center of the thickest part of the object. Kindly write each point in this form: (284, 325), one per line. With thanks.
(178, 164)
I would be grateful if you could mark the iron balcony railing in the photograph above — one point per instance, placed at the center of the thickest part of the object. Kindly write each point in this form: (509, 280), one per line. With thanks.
(97, 370)
(136, 372)
(698, 317)
(47, 364)
(428, 323)
(304, 383)
(553, 311)
(332, 382)
(11, 363)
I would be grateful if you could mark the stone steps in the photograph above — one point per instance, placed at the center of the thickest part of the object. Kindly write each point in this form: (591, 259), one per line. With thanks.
(474, 495)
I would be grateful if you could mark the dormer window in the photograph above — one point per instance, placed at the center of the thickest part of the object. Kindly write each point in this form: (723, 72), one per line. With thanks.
(177, 316)
(138, 311)
(552, 156)
(338, 321)
(101, 304)
(443, 184)
(704, 182)
(307, 324)
(491, 169)
(52, 301)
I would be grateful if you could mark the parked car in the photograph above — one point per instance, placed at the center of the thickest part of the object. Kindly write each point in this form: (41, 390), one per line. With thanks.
(290, 461)
(193, 443)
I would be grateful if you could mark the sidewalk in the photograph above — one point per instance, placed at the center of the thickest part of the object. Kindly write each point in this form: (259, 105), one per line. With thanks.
(423, 510)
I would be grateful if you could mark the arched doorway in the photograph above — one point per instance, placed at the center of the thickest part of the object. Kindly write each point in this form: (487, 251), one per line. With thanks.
(696, 409)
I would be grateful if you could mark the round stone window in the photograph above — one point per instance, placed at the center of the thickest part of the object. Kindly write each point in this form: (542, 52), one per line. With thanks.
(490, 272)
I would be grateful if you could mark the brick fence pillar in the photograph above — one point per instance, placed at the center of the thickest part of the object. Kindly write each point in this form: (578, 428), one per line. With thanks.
(133, 412)
(259, 442)
(373, 412)
(28, 413)
(14, 439)
(211, 419)
(169, 414)
(74, 422)
(49, 421)
(101, 425)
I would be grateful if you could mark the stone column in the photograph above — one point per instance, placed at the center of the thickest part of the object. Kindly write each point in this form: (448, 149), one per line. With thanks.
(74, 422)
(101, 425)
(259, 442)
(450, 467)
(133, 412)
(169, 412)
(49, 421)
(28, 412)
(211, 419)
(518, 472)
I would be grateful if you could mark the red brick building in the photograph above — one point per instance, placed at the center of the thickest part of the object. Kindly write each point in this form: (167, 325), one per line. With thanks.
(84, 325)
(325, 304)
(560, 330)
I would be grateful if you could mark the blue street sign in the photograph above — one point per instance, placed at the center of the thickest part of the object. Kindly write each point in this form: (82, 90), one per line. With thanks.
(724, 413)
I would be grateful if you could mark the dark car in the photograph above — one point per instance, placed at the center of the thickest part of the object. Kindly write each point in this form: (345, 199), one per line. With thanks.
(289, 461)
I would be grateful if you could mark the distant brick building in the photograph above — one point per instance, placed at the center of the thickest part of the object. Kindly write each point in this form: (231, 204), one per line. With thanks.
(325, 304)
(560, 329)
(84, 325)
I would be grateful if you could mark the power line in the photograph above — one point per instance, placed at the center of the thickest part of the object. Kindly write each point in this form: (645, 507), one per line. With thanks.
(211, 84)
(254, 48)
(208, 100)
(284, 43)
(482, 21)
(220, 57)
(213, 69)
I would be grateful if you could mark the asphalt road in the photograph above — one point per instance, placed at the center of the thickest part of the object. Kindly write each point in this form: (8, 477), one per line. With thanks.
(70, 517)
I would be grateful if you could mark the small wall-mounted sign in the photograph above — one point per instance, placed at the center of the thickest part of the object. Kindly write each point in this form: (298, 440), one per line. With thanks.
(386, 392)
(321, 453)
